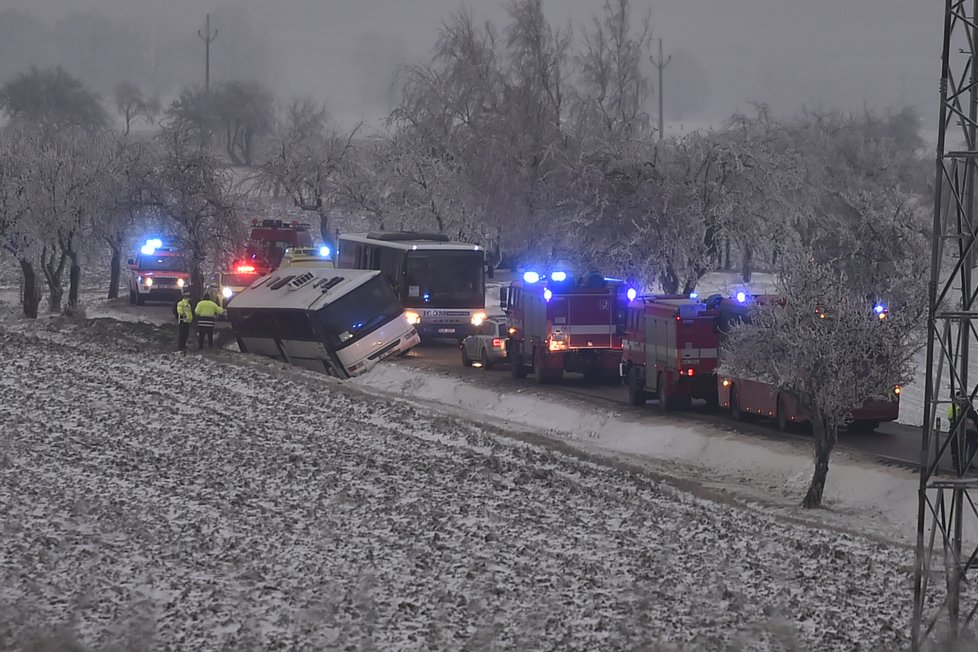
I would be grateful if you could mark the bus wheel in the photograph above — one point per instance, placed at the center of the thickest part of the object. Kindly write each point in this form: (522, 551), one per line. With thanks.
(665, 400)
(466, 362)
(784, 424)
(636, 390)
(735, 411)
(863, 426)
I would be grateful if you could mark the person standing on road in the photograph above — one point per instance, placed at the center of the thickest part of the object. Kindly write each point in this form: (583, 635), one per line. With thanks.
(207, 312)
(185, 316)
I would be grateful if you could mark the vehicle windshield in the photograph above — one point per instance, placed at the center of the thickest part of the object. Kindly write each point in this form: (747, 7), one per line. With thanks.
(446, 279)
(162, 263)
(238, 279)
(358, 313)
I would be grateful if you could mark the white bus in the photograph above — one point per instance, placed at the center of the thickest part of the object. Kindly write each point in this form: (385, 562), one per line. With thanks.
(440, 283)
(342, 322)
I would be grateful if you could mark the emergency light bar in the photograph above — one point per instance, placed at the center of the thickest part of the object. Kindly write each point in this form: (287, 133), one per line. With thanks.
(151, 246)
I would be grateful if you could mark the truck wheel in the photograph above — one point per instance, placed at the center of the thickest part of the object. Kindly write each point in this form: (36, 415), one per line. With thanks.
(735, 412)
(636, 390)
(132, 296)
(486, 363)
(784, 424)
(516, 368)
(140, 299)
(539, 373)
(665, 400)
(863, 426)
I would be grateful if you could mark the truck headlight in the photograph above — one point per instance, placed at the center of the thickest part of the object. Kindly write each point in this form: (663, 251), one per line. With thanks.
(180, 283)
(147, 282)
(478, 318)
(227, 292)
(413, 318)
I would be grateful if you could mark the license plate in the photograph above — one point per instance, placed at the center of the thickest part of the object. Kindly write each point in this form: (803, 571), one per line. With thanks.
(446, 330)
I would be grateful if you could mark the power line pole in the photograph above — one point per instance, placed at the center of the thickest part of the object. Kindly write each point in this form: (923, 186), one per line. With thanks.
(207, 37)
(947, 516)
(660, 64)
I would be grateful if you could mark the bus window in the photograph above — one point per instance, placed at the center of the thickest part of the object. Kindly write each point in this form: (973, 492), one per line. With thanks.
(352, 316)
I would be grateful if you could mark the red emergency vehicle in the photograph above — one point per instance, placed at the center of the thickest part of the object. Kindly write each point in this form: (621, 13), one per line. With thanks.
(745, 397)
(560, 323)
(670, 351)
(270, 238)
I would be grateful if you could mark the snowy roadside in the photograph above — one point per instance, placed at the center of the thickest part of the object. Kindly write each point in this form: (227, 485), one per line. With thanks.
(201, 502)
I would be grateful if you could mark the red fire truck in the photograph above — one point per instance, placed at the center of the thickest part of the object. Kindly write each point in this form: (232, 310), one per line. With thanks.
(670, 351)
(560, 323)
(745, 397)
(270, 238)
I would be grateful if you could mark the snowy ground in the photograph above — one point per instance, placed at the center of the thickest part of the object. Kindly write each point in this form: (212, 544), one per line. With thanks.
(155, 500)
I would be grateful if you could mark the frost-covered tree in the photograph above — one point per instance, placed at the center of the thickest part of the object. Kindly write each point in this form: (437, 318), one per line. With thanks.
(307, 155)
(51, 99)
(824, 346)
(132, 104)
(17, 233)
(193, 193)
(611, 93)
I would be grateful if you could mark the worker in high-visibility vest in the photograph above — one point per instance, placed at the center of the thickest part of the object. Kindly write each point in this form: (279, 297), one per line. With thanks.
(207, 312)
(970, 426)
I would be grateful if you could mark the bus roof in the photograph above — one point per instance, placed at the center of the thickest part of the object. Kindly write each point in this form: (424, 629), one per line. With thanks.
(420, 242)
(303, 288)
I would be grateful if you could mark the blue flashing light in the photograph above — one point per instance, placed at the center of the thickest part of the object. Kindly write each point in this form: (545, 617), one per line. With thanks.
(559, 276)
(147, 250)
(426, 297)
(156, 243)
(631, 294)
(324, 251)
(531, 277)
(694, 295)
(741, 296)
(879, 308)
(609, 279)
(547, 294)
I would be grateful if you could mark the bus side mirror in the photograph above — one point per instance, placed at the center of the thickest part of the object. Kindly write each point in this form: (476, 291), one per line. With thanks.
(503, 297)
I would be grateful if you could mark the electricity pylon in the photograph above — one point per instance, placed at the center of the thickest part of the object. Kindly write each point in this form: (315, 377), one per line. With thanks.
(945, 603)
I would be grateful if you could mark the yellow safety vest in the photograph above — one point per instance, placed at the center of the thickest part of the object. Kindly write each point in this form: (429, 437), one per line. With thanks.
(185, 312)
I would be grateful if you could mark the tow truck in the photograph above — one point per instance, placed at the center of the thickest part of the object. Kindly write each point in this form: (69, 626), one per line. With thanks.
(157, 273)
(670, 351)
(561, 323)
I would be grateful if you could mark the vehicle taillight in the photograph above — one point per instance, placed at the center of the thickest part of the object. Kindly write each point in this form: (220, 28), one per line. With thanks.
(244, 269)
(690, 372)
(497, 343)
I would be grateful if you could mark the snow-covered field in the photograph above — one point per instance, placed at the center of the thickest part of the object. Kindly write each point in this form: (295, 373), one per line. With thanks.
(159, 501)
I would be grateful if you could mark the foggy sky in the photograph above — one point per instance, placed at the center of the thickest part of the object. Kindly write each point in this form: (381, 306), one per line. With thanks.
(825, 54)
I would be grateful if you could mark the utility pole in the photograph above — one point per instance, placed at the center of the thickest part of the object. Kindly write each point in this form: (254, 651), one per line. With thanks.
(660, 64)
(207, 37)
(947, 516)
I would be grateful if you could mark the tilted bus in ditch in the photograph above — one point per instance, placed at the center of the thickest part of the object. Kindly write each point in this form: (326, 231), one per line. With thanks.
(440, 283)
(342, 322)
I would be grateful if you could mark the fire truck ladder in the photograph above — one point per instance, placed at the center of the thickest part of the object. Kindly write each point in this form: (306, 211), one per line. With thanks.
(947, 515)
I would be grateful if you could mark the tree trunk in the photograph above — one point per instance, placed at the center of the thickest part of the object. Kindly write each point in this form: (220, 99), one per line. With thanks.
(324, 223)
(115, 271)
(726, 254)
(825, 435)
(32, 290)
(747, 269)
(74, 282)
(669, 280)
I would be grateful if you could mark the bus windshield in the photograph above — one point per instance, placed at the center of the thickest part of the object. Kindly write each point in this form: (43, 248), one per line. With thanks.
(162, 263)
(446, 279)
(357, 314)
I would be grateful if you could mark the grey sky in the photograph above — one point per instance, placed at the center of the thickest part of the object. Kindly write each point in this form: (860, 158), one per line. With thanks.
(789, 53)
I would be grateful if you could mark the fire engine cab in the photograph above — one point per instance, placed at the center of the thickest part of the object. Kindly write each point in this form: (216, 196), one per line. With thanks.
(670, 351)
(157, 273)
(559, 323)
(269, 240)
